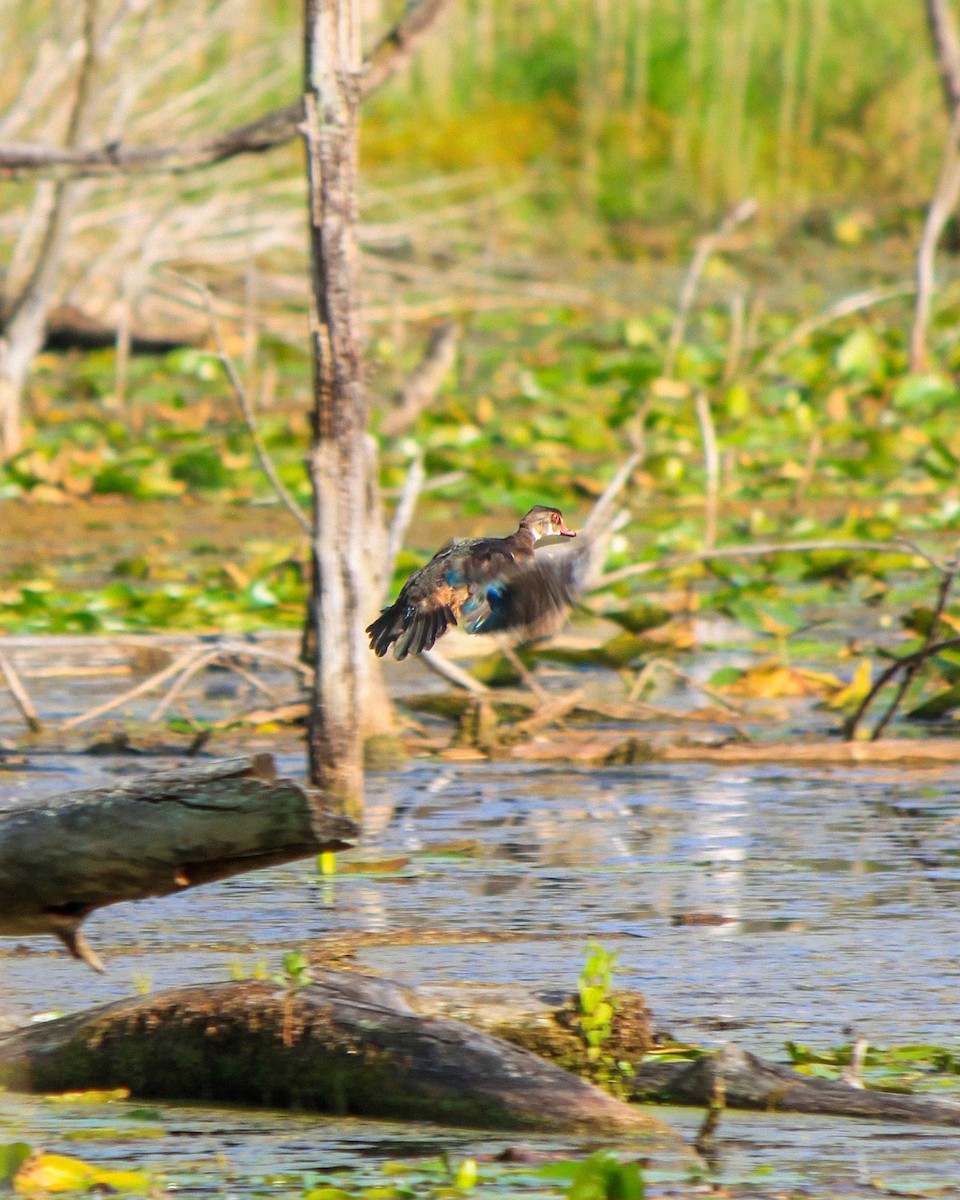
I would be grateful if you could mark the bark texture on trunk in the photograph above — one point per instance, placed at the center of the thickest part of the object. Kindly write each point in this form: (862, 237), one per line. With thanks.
(337, 459)
(25, 326)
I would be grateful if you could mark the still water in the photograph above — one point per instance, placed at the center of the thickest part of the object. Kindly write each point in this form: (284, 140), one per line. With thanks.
(831, 897)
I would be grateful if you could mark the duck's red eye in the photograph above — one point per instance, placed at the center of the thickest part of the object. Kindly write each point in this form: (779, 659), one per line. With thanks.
(555, 518)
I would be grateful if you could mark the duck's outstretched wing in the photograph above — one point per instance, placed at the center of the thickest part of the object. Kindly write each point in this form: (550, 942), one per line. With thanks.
(432, 598)
(530, 599)
(484, 586)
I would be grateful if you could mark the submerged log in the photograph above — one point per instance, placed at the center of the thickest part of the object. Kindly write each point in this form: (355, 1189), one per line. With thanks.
(345, 1044)
(752, 1082)
(151, 835)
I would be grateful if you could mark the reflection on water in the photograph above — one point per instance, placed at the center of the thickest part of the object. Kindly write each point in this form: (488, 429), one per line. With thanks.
(758, 906)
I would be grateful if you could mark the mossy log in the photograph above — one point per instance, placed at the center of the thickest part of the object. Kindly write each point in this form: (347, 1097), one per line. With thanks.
(157, 833)
(751, 1082)
(344, 1044)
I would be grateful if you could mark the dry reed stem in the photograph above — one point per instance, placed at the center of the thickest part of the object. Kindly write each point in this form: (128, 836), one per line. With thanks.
(19, 694)
(706, 246)
(711, 459)
(403, 515)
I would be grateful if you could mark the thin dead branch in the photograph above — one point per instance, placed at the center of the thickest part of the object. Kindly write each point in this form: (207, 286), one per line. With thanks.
(846, 306)
(242, 398)
(394, 49)
(199, 663)
(759, 550)
(142, 689)
(187, 666)
(403, 515)
(909, 664)
(254, 137)
(423, 385)
(946, 42)
(652, 665)
(704, 248)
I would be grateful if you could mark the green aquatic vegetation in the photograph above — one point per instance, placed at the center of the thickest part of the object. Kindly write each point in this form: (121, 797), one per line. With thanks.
(908, 1068)
(296, 973)
(597, 1002)
(602, 1176)
(12, 1157)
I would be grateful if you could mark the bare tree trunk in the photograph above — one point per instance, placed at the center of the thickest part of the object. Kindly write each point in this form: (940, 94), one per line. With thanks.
(946, 44)
(338, 463)
(25, 326)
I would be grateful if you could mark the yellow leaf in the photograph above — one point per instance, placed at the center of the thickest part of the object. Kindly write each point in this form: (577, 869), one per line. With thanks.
(670, 389)
(772, 680)
(61, 1173)
(46, 493)
(90, 1096)
(466, 1176)
(856, 689)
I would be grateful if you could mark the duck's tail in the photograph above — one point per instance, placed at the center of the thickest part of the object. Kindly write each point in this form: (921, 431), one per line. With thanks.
(409, 630)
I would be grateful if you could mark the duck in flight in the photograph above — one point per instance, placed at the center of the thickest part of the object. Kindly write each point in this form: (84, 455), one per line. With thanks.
(488, 584)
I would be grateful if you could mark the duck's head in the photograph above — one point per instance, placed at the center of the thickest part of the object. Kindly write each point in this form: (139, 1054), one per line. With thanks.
(542, 521)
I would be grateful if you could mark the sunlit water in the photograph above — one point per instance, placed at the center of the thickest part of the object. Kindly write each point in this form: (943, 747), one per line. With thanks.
(837, 890)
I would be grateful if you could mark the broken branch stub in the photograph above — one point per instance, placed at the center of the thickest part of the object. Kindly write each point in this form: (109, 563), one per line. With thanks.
(63, 857)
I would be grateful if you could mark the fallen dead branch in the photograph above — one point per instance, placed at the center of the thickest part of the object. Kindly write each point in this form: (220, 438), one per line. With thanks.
(610, 746)
(184, 668)
(62, 858)
(751, 1082)
(345, 1044)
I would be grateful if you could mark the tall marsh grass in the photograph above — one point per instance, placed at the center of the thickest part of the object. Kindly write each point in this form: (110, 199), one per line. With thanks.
(655, 108)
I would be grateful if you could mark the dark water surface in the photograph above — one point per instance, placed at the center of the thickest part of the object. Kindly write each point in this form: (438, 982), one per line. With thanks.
(837, 891)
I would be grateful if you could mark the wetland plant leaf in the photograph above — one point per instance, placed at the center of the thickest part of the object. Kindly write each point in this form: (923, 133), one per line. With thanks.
(200, 469)
(12, 1157)
(937, 706)
(859, 355)
(603, 1177)
(640, 618)
(921, 394)
(115, 480)
(856, 689)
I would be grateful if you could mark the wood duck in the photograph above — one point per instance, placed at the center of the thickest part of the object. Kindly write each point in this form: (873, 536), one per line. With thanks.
(492, 584)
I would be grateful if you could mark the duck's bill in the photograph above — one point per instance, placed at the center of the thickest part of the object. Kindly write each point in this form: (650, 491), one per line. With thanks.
(565, 532)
